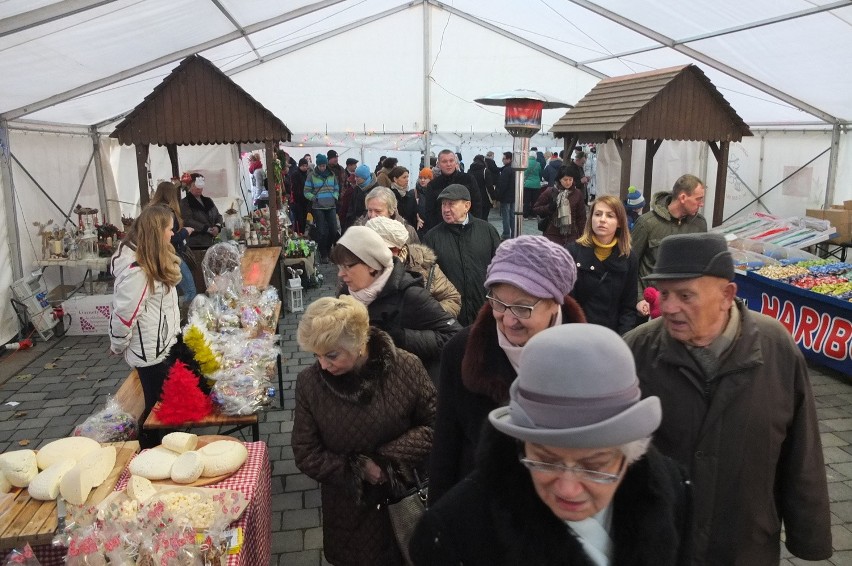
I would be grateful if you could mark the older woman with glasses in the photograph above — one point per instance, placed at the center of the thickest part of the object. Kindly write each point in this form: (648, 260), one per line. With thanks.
(528, 282)
(362, 427)
(566, 473)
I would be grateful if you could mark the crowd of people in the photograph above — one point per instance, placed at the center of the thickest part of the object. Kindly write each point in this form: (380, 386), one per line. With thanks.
(555, 419)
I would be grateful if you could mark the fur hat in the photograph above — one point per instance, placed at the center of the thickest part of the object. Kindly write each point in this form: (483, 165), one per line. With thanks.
(533, 264)
(368, 246)
(392, 231)
(687, 256)
(577, 388)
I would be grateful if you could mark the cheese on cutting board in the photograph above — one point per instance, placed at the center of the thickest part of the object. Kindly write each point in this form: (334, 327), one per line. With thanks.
(88, 473)
(19, 467)
(188, 467)
(140, 489)
(223, 457)
(71, 448)
(180, 442)
(45, 486)
(154, 464)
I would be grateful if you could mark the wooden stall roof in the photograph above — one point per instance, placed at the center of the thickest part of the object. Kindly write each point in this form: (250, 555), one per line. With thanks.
(198, 104)
(678, 103)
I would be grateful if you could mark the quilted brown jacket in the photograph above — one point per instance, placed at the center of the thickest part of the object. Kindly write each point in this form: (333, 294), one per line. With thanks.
(384, 411)
(420, 258)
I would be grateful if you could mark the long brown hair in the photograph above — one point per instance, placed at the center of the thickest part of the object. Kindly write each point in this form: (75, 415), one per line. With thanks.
(154, 255)
(167, 194)
(622, 232)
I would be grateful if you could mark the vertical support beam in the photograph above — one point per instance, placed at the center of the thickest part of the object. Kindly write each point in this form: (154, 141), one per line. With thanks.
(99, 173)
(274, 196)
(721, 183)
(832, 166)
(13, 235)
(171, 148)
(625, 150)
(651, 147)
(142, 173)
(427, 83)
(520, 154)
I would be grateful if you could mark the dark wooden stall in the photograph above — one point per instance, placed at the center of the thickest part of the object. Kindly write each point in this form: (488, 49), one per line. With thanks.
(678, 103)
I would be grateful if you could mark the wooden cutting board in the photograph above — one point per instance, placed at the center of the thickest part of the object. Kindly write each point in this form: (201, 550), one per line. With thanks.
(203, 440)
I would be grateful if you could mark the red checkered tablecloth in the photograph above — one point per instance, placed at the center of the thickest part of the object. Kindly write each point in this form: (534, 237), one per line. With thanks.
(254, 480)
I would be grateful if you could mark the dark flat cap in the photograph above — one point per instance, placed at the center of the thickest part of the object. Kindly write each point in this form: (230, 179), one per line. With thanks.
(687, 256)
(351, 161)
(455, 192)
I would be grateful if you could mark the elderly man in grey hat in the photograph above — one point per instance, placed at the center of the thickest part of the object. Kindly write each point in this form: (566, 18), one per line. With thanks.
(464, 246)
(738, 411)
(565, 473)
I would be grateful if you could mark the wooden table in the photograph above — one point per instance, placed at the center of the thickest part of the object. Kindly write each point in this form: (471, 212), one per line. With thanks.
(214, 419)
(27, 520)
(98, 263)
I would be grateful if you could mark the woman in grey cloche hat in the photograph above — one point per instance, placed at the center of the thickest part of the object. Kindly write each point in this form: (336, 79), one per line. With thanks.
(565, 474)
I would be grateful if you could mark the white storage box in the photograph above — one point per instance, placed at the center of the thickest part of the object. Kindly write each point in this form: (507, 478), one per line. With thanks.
(89, 314)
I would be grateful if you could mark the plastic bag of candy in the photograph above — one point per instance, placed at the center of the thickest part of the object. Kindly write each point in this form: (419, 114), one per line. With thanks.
(110, 424)
(241, 391)
(22, 557)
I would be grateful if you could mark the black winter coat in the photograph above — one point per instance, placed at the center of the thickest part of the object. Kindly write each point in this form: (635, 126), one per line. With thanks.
(475, 379)
(494, 517)
(482, 177)
(506, 185)
(200, 216)
(412, 317)
(441, 182)
(606, 290)
(464, 252)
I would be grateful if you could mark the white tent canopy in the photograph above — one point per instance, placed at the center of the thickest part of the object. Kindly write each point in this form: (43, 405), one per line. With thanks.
(373, 77)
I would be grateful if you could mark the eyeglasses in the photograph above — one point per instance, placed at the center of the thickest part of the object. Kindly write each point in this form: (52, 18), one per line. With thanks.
(580, 473)
(347, 267)
(518, 311)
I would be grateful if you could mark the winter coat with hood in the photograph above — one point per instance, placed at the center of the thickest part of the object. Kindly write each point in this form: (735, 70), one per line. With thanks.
(383, 411)
(545, 207)
(475, 379)
(144, 322)
(484, 181)
(551, 171)
(752, 448)
(494, 517)
(414, 320)
(200, 215)
(357, 207)
(420, 258)
(438, 184)
(406, 203)
(652, 227)
(532, 174)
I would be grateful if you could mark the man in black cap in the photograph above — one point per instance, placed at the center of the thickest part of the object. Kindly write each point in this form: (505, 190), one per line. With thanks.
(464, 246)
(448, 166)
(738, 411)
(335, 167)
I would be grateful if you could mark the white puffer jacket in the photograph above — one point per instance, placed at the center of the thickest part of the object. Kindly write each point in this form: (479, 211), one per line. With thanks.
(143, 323)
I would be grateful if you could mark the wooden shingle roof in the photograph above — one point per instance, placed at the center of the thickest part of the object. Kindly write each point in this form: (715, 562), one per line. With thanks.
(678, 103)
(198, 104)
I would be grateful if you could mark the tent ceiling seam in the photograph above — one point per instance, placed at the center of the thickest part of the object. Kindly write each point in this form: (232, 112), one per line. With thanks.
(236, 25)
(47, 14)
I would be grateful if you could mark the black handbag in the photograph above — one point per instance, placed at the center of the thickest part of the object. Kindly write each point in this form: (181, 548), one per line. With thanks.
(406, 513)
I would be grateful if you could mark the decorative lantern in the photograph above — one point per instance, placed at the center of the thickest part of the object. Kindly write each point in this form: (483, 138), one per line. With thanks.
(89, 246)
(295, 302)
(523, 121)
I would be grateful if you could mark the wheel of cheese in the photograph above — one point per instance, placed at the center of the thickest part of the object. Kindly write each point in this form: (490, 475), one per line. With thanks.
(223, 457)
(45, 486)
(180, 442)
(188, 467)
(72, 448)
(140, 488)
(154, 464)
(19, 467)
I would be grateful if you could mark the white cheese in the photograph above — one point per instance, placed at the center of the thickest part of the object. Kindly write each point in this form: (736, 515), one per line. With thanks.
(72, 448)
(140, 489)
(154, 464)
(19, 467)
(75, 486)
(188, 467)
(45, 486)
(180, 442)
(223, 457)
(5, 486)
(88, 473)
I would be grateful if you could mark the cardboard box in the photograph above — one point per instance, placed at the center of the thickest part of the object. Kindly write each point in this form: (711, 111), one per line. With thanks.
(839, 218)
(89, 315)
(847, 204)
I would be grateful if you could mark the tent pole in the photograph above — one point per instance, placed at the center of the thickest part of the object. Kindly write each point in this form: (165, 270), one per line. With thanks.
(832, 166)
(99, 172)
(13, 234)
(427, 86)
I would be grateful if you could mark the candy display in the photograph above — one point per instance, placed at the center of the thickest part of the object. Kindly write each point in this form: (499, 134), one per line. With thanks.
(790, 233)
(110, 424)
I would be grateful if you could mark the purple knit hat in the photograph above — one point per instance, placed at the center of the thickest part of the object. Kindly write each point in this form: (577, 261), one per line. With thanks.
(533, 264)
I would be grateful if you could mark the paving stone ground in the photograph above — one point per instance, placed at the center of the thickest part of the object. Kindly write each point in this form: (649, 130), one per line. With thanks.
(52, 400)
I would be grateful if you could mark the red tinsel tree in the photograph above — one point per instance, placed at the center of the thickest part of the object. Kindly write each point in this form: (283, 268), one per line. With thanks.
(182, 401)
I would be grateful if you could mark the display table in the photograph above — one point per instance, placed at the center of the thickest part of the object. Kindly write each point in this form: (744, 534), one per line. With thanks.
(820, 325)
(253, 480)
(97, 264)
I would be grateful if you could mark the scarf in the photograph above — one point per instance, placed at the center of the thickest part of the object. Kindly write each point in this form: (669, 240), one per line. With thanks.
(513, 353)
(369, 293)
(603, 251)
(401, 191)
(563, 212)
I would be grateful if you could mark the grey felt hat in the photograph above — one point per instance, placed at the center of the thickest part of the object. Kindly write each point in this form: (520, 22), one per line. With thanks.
(577, 388)
(687, 256)
(455, 192)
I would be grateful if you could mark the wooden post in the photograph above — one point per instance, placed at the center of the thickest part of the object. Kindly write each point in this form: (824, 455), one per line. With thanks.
(651, 147)
(274, 195)
(625, 150)
(721, 182)
(173, 157)
(142, 172)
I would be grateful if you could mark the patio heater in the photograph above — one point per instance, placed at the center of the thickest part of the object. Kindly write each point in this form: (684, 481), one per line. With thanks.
(523, 121)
